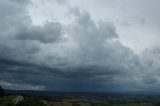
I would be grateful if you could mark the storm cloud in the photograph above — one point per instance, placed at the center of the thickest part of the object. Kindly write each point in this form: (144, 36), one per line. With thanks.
(84, 55)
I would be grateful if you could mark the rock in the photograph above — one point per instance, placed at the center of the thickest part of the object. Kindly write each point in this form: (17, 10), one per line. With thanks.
(18, 99)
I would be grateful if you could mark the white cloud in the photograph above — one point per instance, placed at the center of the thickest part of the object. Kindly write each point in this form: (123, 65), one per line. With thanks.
(16, 86)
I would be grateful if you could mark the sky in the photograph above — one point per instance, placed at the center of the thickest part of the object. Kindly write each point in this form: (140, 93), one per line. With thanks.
(80, 45)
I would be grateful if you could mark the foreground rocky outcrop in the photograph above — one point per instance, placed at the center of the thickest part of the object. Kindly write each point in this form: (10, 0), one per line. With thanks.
(18, 99)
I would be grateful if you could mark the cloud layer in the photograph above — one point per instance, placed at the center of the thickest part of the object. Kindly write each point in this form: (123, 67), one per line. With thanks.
(84, 55)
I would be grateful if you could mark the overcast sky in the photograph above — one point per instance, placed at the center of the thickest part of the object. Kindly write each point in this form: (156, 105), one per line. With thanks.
(80, 45)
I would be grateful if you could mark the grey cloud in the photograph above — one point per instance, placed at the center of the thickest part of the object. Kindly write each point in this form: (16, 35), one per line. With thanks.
(98, 43)
(90, 58)
(16, 22)
(100, 56)
(61, 1)
(17, 55)
(151, 63)
(150, 80)
(19, 39)
(48, 33)
(118, 63)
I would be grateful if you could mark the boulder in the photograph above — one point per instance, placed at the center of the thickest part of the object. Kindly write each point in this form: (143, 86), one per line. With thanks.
(18, 99)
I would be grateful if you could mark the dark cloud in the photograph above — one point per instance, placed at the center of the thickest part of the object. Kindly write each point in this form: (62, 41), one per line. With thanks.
(82, 56)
